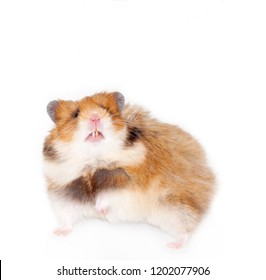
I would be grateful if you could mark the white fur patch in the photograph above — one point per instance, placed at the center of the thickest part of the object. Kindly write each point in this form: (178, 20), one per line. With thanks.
(123, 205)
(69, 212)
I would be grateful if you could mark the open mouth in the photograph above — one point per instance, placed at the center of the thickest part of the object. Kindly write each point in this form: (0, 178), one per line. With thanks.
(95, 136)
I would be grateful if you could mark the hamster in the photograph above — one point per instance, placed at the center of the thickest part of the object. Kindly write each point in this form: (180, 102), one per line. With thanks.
(113, 161)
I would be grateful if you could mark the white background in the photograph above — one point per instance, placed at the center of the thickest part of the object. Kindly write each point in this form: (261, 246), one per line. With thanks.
(199, 64)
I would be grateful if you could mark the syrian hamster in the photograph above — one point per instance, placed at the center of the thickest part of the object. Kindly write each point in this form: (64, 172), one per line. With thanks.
(113, 161)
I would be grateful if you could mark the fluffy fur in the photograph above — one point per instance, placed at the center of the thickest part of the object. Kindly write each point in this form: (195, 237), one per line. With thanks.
(142, 170)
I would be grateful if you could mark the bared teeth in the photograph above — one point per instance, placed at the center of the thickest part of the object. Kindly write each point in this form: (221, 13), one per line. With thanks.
(95, 136)
(95, 133)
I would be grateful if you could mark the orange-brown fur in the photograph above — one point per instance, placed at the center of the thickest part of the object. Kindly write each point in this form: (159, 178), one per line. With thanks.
(172, 151)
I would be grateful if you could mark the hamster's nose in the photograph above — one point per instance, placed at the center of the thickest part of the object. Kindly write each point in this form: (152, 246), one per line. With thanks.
(95, 119)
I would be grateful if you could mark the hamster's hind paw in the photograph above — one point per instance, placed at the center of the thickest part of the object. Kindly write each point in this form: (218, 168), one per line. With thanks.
(181, 242)
(62, 231)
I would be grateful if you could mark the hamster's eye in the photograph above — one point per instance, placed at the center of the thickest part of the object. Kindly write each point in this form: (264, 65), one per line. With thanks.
(75, 114)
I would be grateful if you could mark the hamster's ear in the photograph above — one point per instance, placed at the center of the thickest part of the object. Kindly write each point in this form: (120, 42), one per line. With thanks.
(120, 100)
(51, 107)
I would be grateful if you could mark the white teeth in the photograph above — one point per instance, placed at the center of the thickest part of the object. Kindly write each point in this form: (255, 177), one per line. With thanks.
(95, 133)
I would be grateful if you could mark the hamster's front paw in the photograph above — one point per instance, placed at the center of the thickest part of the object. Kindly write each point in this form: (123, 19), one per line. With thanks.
(102, 205)
(62, 231)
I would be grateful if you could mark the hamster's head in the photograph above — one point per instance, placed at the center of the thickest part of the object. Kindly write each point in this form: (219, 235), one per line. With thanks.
(92, 123)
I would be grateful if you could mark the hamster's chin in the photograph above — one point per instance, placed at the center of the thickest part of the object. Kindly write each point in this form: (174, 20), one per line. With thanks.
(95, 136)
